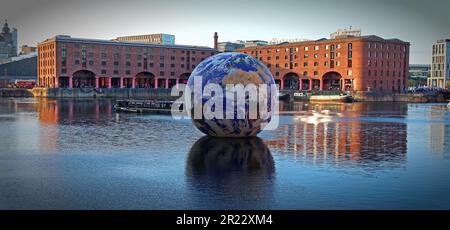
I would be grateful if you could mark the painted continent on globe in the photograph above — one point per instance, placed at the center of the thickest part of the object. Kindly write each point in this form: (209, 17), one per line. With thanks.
(231, 68)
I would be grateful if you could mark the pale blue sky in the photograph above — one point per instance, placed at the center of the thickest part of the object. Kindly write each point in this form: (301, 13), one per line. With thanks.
(193, 22)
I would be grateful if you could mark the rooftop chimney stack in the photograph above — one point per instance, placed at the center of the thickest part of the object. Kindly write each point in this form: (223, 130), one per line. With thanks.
(216, 38)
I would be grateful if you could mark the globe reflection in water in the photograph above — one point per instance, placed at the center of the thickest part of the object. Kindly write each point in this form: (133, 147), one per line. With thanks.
(235, 168)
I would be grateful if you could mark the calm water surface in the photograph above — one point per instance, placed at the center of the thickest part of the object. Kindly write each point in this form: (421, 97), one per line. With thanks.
(66, 154)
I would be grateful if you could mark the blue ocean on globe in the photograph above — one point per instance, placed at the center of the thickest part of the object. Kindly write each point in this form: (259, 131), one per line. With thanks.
(232, 68)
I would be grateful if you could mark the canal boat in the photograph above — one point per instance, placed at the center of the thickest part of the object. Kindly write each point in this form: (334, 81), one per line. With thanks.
(144, 106)
(332, 98)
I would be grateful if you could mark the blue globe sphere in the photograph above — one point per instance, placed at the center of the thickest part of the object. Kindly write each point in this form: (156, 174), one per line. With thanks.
(231, 68)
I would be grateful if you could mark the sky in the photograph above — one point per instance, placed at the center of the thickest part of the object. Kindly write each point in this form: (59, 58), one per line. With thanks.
(193, 22)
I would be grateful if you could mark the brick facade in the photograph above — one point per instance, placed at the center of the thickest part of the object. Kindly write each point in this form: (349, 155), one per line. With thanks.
(75, 63)
(367, 63)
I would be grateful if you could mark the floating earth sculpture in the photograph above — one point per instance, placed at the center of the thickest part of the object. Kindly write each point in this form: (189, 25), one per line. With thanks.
(226, 69)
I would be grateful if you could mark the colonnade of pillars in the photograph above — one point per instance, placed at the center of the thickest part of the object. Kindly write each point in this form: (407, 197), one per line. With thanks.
(116, 82)
(315, 84)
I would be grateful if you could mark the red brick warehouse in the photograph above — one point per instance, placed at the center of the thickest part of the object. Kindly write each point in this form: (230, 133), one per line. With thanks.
(74, 63)
(367, 63)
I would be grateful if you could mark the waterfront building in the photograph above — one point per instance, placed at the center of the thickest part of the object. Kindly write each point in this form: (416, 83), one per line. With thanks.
(277, 41)
(23, 67)
(440, 65)
(69, 62)
(346, 32)
(347, 63)
(8, 43)
(162, 39)
(25, 49)
(229, 46)
(253, 43)
(418, 74)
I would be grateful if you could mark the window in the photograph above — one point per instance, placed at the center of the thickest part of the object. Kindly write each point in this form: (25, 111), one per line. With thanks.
(139, 64)
(349, 73)
(316, 73)
(305, 56)
(316, 63)
(338, 63)
(91, 62)
(306, 48)
(161, 58)
(350, 54)
(277, 74)
(350, 46)
(128, 63)
(316, 47)
(161, 73)
(316, 55)
(77, 62)
(150, 64)
(161, 65)
(338, 54)
(327, 47)
(172, 58)
(349, 63)
(338, 46)
(286, 65)
(104, 55)
(116, 71)
(326, 55)
(305, 73)
(277, 65)
(128, 56)
(116, 63)
(172, 73)
(305, 64)
(127, 72)
(325, 63)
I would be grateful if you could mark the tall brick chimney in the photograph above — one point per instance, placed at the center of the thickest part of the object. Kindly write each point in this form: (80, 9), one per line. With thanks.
(216, 38)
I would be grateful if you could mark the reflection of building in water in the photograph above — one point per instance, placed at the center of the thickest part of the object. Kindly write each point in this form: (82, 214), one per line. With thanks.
(53, 113)
(438, 140)
(233, 168)
(337, 134)
(61, 111)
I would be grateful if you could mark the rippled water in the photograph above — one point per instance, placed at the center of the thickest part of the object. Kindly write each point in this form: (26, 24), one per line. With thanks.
(79, 154)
